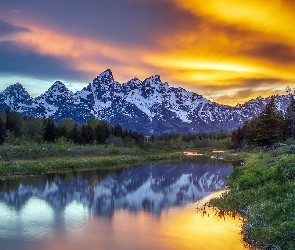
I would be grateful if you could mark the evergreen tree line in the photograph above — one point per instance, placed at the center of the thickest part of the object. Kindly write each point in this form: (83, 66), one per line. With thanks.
(268, 128)
(192, 140)
(15, 129)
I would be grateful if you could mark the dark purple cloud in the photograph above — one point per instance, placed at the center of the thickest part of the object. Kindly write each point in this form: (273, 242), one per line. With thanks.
(273, 52)
(7, 28)
(18, 61)
(121, 21)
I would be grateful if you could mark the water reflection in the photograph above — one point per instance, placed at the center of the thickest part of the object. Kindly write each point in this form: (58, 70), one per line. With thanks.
(135, 208)
(150, 187)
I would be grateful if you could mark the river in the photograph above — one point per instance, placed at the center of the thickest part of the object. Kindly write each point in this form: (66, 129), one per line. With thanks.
(152, 206)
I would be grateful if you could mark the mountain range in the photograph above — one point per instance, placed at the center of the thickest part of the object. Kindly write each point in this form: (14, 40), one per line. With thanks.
(149, 106)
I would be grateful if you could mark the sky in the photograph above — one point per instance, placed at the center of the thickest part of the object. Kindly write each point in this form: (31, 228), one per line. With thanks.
(229, 51)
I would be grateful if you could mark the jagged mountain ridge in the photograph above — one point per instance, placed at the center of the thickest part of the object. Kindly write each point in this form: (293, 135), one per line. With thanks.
(149, 106)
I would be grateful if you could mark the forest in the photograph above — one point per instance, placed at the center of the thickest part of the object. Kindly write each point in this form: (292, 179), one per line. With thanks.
(271, 126)
(18, 130)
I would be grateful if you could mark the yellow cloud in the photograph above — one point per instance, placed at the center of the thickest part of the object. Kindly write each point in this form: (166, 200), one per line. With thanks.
(276, 16)
(233, 41)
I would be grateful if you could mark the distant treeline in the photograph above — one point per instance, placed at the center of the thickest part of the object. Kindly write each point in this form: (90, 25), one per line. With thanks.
(190, 140)
(268, 128)
(16, 130)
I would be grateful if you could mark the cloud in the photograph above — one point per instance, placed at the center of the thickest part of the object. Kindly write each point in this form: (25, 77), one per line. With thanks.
(244, 94)
(122, 21)
(273, 52)
(221, 48)
(7, 28)
(242, 90)
(19, 61)
(239, 96)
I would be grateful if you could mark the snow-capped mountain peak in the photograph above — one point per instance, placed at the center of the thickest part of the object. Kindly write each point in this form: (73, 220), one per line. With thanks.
(15, 89)
(17, 98)
(149, 106)
(104, 77)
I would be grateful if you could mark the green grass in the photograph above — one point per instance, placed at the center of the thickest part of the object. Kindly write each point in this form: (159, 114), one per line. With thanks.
(35, 159)
(263, 192)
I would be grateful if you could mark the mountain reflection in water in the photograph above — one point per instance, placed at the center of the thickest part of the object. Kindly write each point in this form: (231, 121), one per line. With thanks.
(151, 187)
(143, 207)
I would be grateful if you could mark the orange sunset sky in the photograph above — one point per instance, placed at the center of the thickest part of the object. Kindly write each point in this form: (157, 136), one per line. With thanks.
(229, 51)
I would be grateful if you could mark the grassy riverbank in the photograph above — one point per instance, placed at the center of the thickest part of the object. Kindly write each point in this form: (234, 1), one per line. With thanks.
(263, 192)
(48, 158)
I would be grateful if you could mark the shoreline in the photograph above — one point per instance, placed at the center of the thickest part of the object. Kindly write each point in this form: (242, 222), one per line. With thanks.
(262, 192)
(20, 168)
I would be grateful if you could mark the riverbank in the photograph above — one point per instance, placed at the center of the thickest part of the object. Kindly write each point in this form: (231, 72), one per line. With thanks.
(34, 160)
(263, 192)
(227, 155)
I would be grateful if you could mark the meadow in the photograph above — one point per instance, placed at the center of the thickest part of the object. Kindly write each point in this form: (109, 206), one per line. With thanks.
(262, 191)
(33, 159)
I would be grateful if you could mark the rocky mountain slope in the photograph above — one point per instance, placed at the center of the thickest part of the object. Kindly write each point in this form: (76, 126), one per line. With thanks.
(149, 106)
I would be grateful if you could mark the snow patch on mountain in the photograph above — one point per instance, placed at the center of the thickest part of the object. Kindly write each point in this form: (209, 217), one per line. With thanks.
(148, 106)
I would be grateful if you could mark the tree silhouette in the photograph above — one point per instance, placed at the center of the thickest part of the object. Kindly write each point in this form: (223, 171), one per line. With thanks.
(2, 132)
(49, 130)
(75, 134)
(290, 113)
(102, 132)
(13, 122)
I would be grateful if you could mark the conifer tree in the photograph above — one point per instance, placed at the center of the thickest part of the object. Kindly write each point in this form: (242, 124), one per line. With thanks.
(249, 129)
(13, 122)
(49, 130)
(75, 134)
(2, 132)
(102, 132)
(87, 134)
(269, 125)
(290, 119)
(118, 131)
(238, 138)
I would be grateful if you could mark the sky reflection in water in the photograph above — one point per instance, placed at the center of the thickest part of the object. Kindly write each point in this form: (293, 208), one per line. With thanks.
(138, 208)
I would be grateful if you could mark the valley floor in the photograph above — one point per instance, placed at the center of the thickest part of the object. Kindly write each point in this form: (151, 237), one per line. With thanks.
(262, 188)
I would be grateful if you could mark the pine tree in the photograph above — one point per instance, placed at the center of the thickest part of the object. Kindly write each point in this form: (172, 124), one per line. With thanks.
(238, 138)
(13, 122)
(49, 130)
(118, 131)
(290, 119)
(249, 129)
(2, 132)
(101, 132)
(75, 134)
(269, 125)
(87, 134)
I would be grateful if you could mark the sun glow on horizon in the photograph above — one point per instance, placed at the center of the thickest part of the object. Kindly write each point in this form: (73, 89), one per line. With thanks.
(228, 51)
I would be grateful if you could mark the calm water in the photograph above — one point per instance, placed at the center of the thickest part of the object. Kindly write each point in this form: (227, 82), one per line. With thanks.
(151, 206)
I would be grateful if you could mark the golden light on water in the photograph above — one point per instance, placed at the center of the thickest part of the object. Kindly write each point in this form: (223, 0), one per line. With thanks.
(174, 229)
